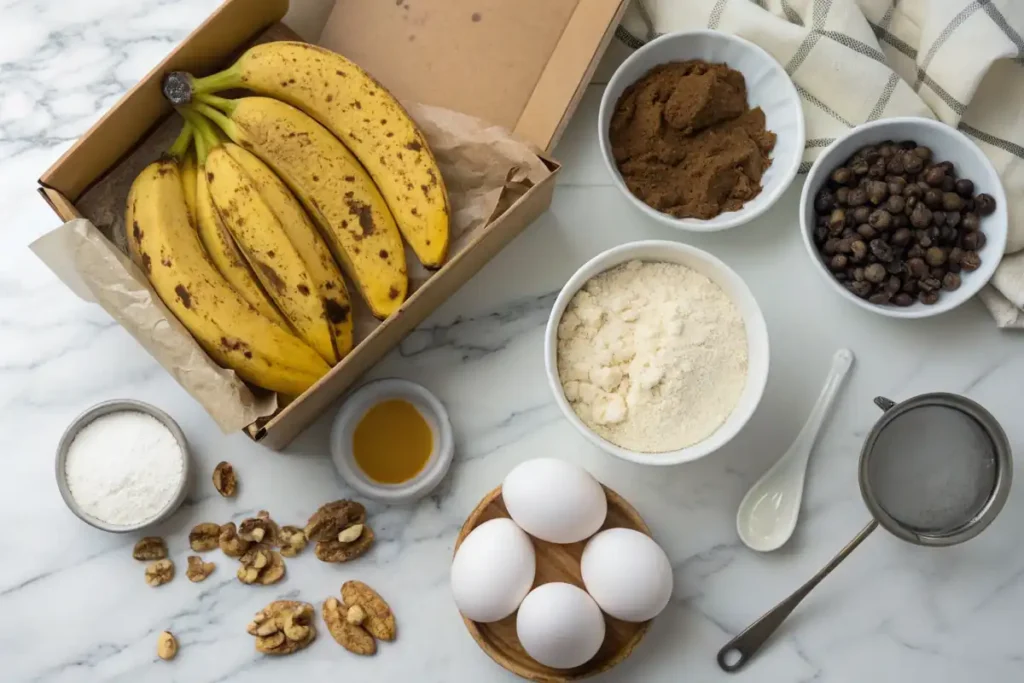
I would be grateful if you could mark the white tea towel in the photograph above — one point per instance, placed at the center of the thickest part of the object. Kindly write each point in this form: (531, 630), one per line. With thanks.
(852, 61)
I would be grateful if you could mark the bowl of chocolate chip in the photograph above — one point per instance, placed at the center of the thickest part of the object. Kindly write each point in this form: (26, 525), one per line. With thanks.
(701, 130)
(905, 217)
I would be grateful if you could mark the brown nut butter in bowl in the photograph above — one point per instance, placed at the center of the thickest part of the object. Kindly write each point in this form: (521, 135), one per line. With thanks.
(686, 142)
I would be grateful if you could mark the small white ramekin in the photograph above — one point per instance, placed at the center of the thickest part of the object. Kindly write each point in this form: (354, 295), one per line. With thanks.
(353, 410)
(768, 87)
(947, 144)
(716, 271)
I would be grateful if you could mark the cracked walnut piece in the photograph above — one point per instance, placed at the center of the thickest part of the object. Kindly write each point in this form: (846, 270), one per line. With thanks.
(293, 540)
(204, 536)
(378, 618)
(150, 548)
(261, 565)
(360, 620)
(160, 572)
(333, 518)
(197, 569)
(231, 544)
(259, 529)
(224, 479)
(166, 646)
(283, 627)
(339, 550)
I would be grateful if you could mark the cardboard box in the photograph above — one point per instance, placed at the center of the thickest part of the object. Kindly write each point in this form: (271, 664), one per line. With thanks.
(530, 62)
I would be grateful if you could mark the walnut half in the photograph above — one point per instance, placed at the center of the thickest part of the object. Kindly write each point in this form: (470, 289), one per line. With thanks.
(224, 479)
(283, 627)
(204, 537)
(198, 570)
(261, 564)
(293, 541)
(360, 620)
(333, 518)
(340, 549)
(160, 572)
(259, 529)
(231, 544)
(150, 548)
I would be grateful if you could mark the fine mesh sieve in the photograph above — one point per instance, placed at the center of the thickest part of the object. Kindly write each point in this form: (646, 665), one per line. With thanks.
(935, 470)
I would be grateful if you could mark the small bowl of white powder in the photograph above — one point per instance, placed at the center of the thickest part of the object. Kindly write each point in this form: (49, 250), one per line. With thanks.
(122, 466)
(657, 352)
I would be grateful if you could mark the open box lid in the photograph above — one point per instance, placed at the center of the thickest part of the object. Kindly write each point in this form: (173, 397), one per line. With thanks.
(523, 65)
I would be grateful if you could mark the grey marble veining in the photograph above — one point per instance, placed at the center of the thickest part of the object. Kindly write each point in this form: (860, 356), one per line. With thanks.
(73, 604)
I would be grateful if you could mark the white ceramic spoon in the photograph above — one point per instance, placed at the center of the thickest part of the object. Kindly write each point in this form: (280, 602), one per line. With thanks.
(767, 514)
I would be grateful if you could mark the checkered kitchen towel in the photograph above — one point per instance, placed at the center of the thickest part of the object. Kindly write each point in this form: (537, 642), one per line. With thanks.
(852, 61)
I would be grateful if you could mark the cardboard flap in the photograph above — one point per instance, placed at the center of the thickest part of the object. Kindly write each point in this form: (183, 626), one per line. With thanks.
(522, 65)
(121, 128)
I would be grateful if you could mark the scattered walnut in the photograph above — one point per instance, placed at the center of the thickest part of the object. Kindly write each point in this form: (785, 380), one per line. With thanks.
(352, 637)
(378, 618)
(166, 646)
(231, 544)
(336, 550)
(259, 529)
(224, 479)
(293, 540)
(332, 518)
(360, 620)
(197, 569)
(160, 572)
(150, 548)
(261, 565)
(283, 627)
(204, 536)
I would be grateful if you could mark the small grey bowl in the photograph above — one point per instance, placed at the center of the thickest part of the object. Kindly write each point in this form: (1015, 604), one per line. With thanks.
(105, 408)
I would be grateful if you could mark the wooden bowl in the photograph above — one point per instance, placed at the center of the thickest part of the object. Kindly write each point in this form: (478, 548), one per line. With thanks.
(555, 563)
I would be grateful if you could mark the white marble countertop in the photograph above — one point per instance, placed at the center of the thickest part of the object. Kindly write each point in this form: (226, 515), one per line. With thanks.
(73, 604)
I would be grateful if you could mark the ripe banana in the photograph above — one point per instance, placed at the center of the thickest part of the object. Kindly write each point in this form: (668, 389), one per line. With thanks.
(366, 117)
(168, 250)
(303, 234)
(340, 197)
(188, 183)
(264, 242)
(221, 247)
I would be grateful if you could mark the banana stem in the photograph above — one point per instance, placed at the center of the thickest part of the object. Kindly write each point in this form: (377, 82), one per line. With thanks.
(196, 123)
(223, 80)
(222, 103)
(218, 117)
(180, 147)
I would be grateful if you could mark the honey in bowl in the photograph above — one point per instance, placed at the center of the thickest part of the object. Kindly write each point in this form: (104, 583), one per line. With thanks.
(392, 442)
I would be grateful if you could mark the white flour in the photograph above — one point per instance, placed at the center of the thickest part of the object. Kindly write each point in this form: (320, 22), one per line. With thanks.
(124, 468)
(652, 356)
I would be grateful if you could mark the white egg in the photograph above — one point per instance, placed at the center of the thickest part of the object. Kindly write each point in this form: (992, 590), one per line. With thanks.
(627, 573)
(554, 500)
(560, 626)
(493, 571)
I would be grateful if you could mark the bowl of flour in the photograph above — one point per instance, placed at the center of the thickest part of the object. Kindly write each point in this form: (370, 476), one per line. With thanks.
(657, 352)
(123, 466)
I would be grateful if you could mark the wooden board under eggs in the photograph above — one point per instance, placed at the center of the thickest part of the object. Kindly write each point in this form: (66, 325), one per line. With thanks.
(555, 562)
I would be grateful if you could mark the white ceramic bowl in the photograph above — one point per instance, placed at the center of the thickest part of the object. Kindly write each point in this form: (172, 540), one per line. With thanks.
(352, 411)
(947, 144)
(719, 273)
(768, 87)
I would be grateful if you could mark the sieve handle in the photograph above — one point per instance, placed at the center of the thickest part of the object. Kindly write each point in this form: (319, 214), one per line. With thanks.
(738, 651)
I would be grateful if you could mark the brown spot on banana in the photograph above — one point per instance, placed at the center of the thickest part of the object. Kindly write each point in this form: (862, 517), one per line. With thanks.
(147, 265)
(271, 275)
(336, 313)
(303, 290)
(180, 290)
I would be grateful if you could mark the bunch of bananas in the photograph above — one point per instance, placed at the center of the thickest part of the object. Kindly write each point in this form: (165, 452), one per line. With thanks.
(241, 233)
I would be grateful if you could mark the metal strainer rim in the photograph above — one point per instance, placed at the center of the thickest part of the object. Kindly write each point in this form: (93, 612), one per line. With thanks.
(1001, 487)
